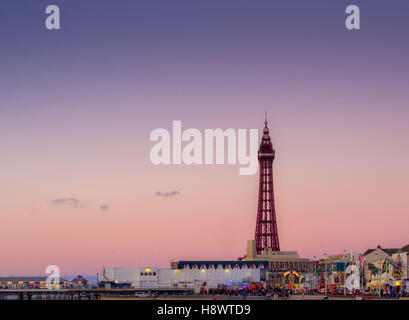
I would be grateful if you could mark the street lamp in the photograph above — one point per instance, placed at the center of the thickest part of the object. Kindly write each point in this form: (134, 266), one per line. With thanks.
(379, 272)
(315, 271)
(363, 273)
(345, 273)
(325, 273)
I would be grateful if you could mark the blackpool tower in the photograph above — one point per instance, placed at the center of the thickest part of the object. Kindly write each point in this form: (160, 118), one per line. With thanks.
(266, 227)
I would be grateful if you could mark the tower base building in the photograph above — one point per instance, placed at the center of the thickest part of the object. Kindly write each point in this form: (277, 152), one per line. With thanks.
(280, 262)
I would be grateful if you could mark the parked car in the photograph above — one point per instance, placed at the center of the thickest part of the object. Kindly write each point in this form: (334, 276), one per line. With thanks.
(141, 295)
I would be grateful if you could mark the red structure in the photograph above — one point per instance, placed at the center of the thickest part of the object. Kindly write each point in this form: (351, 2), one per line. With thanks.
(266, 227)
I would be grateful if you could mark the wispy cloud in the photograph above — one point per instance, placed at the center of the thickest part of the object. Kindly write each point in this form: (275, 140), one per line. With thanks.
(72, 202)
(167, 194)
(104, 207)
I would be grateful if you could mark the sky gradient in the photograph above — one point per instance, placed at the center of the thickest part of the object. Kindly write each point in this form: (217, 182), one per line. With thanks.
(77, 107)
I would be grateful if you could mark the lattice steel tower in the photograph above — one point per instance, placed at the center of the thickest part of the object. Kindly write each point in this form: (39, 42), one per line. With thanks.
(266, 226)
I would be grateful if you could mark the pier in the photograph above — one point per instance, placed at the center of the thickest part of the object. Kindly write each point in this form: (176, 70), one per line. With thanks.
(77, 294)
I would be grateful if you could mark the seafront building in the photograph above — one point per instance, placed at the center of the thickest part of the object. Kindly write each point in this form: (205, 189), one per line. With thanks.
(376, 269)
(193, 276)
(386, 268)
(29, 283)
(334, 271)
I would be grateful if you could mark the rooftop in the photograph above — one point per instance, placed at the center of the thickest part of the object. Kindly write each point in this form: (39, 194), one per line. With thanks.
(26, 279)
(390, 251)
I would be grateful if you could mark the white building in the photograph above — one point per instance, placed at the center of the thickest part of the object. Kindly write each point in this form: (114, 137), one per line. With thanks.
(144, 278)
(189, 275)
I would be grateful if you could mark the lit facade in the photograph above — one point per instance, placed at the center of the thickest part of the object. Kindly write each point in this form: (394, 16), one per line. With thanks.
(335, 270)
(30, 283)
(386, 268)
(189, 275)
